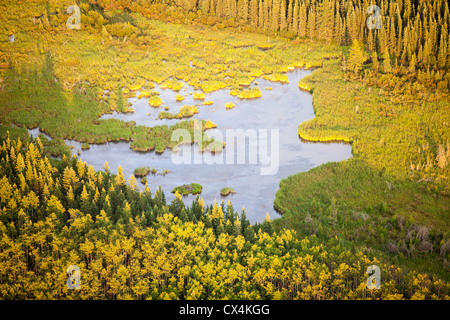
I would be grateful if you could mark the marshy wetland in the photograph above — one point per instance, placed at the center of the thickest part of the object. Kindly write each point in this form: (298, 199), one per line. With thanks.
(295, 148)
(282, 108)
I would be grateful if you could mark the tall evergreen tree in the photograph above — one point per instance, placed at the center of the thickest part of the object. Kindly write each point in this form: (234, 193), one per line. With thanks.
(296, 18)
(275, 16)
(312, 22)
(290, 10)
(325, 20)
(387, 66)
(356, 57)
(375, 63)
(254, 12)
(261, 15)
(282, 19)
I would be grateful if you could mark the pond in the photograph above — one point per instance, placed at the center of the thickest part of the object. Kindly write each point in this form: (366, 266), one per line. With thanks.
(278, 112)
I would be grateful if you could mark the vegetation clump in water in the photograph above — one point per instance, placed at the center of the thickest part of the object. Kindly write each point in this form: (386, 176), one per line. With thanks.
(185, 189)
(226, 191)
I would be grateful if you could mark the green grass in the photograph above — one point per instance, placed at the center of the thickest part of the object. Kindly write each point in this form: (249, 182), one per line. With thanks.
(226, 191)
(393, 191)
(193, 188)
(85, 146)
(14, 133)
(141, 172)
(401, 138)
(368, 209)
(34, 99)
(185, 112)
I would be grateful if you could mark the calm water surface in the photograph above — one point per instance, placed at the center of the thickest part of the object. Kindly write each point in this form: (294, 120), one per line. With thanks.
(283, 108)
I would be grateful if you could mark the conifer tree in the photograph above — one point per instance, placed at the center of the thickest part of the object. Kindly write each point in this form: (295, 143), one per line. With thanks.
(132, 182)
(204, 6)
(220, 8)
(120, 179)
(356, 57)
(296, 19)
(266, 14)
(290, 10)
(245, 12)
(261, 15)
(375, 62)
(275, 15)
(412, 64)
(325, 20)
(254, 12)
(282, 19)
(386, 66)
(311, 22)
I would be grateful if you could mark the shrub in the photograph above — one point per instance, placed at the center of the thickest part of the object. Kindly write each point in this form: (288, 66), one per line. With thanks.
(122, 29)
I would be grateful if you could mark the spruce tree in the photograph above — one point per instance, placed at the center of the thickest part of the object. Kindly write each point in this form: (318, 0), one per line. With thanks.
(356, 57)
(260, 14)
(412, 64)
(295, 19)
(386, 67)
(275, 16)
(312, 22)
(245, 11)
(375, 63)
(282, 19)
(289, 15)
(325, 20)
(254, 12)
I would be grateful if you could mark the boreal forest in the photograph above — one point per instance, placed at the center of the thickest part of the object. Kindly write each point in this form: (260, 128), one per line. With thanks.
(378, 80)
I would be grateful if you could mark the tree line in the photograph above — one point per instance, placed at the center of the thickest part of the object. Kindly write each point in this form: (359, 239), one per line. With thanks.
(414, 32)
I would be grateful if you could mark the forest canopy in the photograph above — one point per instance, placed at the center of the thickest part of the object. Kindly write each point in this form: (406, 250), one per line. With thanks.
(132, 244)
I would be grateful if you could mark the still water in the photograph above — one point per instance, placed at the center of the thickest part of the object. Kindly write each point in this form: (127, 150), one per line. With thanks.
(281, 109)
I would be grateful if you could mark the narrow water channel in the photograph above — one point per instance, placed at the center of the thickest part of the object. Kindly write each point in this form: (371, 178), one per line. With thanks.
(281, 109)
